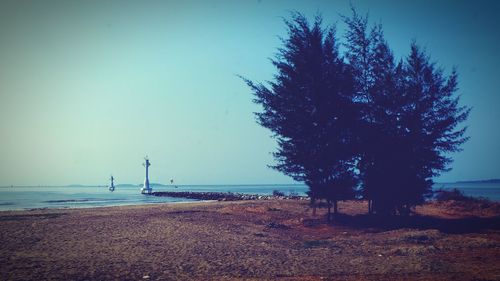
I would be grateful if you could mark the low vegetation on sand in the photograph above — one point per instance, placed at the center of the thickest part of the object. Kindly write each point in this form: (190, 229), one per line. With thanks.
(457, 195)
(454, 200)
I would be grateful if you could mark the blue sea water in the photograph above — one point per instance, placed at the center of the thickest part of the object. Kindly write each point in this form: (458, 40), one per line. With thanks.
(20, 198)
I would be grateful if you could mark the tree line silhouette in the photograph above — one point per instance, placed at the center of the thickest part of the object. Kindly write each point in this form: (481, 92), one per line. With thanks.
(358, 122)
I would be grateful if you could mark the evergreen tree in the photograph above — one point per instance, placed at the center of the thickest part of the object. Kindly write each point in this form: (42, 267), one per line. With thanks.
(410, 117)
(382, 144)
(429, 123)
(390, 124)
(309, 108)
(371, 60)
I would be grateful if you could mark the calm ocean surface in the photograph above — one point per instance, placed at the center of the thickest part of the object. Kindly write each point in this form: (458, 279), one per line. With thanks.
(19, 198)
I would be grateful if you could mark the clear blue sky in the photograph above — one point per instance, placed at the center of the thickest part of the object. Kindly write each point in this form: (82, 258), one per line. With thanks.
(87, 88)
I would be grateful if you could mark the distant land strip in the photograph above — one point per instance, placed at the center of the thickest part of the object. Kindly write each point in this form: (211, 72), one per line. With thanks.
(480, 181)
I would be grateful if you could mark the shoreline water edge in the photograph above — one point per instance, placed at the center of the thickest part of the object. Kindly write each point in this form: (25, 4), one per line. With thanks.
(65, 197)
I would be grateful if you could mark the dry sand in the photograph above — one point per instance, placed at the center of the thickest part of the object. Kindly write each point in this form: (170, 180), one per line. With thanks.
(249, 240)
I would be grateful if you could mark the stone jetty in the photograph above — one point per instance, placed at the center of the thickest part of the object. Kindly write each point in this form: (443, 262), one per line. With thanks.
(225, 196)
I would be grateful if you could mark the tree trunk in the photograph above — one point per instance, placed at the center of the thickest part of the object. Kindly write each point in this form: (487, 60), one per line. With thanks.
(313, 203)
(335, 207)
(329, 210)
(370, 206)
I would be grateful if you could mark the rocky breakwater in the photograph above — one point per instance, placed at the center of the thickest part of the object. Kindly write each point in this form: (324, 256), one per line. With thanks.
(225, 196)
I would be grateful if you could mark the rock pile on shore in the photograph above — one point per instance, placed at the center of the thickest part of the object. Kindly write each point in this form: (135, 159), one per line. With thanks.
(225, 196)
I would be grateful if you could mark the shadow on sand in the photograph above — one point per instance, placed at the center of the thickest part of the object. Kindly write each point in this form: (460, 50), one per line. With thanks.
(384, 223)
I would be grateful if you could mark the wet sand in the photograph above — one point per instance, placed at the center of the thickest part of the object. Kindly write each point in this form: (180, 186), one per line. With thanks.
(249, 240)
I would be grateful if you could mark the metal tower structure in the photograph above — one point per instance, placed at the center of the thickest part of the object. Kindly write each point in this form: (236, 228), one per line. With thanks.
(146, 189)
(112, 185)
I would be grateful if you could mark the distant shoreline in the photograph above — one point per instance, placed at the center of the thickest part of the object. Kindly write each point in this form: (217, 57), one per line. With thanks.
(157, 185)
(480, 181)
(253, 184)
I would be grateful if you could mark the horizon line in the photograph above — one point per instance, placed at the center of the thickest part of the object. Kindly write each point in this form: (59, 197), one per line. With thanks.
(216, 184)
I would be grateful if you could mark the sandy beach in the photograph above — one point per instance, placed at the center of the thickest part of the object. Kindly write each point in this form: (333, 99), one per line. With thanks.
(249, 240)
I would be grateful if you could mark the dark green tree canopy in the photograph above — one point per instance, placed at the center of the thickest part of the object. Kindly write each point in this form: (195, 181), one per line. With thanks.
(410, 116)
(308, 106)
(340, 118)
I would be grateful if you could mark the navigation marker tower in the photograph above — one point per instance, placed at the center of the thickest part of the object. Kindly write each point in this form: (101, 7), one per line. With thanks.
(146, 189)
(112, 185)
